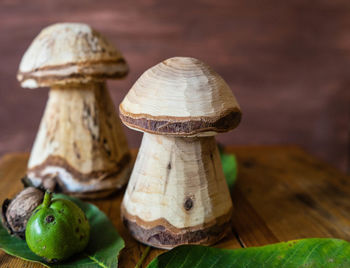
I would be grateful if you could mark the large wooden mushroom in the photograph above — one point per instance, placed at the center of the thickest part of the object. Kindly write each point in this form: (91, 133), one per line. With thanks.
(80, 147)
(177, 193)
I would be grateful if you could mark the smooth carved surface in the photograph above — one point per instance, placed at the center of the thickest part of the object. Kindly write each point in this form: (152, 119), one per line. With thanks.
(176, 91)
(179, 180)
(177, 192)
(282, 193)
(177, 189)
(69, 50)
(80, 141)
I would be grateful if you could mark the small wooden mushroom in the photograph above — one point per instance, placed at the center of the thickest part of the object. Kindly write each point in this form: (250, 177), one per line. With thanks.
(177, 193)
(80, 148)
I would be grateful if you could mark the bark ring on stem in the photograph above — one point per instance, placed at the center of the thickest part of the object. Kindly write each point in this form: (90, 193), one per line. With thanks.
(177, 193)
(80, 148)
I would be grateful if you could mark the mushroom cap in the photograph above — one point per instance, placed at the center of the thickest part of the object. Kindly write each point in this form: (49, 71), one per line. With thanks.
(69, 53)
(180, 96)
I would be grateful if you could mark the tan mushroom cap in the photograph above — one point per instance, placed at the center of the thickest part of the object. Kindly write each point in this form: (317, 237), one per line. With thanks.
(180, 96)
(69, 53)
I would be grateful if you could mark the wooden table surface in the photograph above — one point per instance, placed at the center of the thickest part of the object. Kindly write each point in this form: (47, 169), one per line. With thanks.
(282, 193)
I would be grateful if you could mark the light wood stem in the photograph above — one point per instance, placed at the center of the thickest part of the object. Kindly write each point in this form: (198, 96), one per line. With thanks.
(80, 145)
(177, 192)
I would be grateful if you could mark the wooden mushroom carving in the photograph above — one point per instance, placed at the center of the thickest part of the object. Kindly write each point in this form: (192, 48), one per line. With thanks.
(80, 147)
(177, 193)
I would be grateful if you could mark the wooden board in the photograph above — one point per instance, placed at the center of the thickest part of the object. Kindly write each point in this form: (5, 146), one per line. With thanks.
(282, 193)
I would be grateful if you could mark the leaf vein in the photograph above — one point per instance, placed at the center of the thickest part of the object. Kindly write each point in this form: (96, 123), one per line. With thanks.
(97, 261)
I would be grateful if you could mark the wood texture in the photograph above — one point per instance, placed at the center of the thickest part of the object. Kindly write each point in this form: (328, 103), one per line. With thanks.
(66, 53)
(80, 146)
(180, 96)
(282, 193)
(177, 193)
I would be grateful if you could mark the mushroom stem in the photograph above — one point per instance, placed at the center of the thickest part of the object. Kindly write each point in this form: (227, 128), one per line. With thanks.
(80, 143)
(47, 199)
(177, 193)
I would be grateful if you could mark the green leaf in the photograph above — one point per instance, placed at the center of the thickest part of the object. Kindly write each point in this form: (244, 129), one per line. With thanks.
(310, 253)
(229, 166)
(102, 250)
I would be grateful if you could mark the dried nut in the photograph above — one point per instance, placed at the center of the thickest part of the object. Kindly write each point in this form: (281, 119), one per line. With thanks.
(16, 212)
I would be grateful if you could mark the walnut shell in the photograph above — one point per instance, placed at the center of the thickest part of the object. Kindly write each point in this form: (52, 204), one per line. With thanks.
(16, 212)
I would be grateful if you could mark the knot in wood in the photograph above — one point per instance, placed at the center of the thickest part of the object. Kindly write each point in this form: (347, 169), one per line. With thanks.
(188, 203)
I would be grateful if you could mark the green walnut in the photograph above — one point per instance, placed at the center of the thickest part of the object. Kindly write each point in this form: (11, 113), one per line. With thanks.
(57, 229)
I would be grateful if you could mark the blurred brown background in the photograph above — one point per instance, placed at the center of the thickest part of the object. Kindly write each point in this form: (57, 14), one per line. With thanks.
(286, 61)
